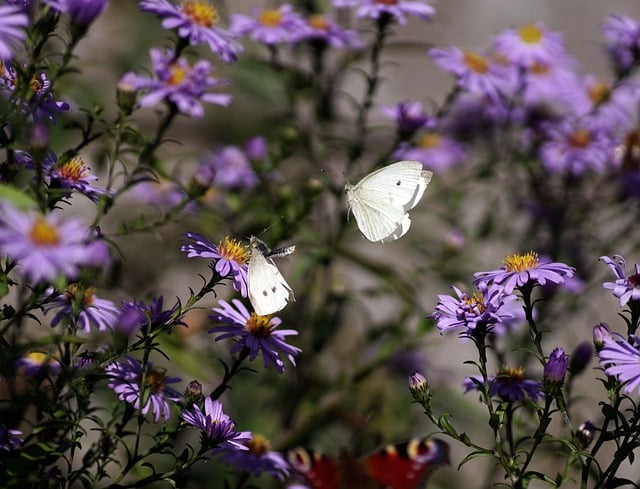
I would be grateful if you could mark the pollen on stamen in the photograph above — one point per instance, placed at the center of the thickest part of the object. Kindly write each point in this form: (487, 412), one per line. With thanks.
(599, 92)
(509, 375)
(155, 379)
(44, 234)
(476, 62)
(201, 13)
(430, 140)
(233, 250)
(88, 295)
(259, 326)
(259, 444)
(580, 138)
(270, 18)
(318, 22)
(74, 170)
(530, 34)
(178, 74)
(476, 301)
(521, 263)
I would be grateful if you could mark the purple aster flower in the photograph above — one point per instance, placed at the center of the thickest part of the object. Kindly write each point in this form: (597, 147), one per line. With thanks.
(13, 22)
(509, 384)
(409, 118)
(163, 193)
(322, 28)
(480, 311)
(626, 288)
(530, 44)
(257, 459)
(576, 147)
(132, 383)
(181, 84)
(256, 148)
(74, 174)
(601, 331)
(521, 270)
(45, 247)
(216, 425)
(270, 26)
(556, 367)
(553, 89)
(232, 168)
(436, 151)
(9, 439)
(135, 316)
(419, 388)
(85, 309)
(580, 357)
(255, 333)
(81, 12)
(230, 257)
(38, 364)
(196, 20)
(611, 106)
(394, 9)
(621, 358)
(623, 40)
(476, 72)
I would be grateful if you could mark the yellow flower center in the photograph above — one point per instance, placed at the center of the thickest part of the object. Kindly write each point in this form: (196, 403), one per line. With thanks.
(510, 375)
(270, 18)
(521, 263)
(475, 301)
(87, 296)
(580, 138)
(75, 169)
(599, 92)
(200, 13)
(539, 69)
(233, 250)
(178, 74)
(259, 445)
(530, 34)
(476, 62)
(318, 22)
(259, 326)
(34, 84)
(430, 140)
(386, 2)
(38, 358)
(155, 379)
(44, 234)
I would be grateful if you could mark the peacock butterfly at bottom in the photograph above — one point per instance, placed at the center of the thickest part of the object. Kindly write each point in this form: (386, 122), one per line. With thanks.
(404, 465)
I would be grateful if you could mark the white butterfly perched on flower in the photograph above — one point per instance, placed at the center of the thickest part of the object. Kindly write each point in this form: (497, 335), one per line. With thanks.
(381, 200)
(269, 292)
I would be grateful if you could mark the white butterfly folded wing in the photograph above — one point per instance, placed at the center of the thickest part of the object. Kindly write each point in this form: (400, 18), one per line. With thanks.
(379, 218)
(269, 292)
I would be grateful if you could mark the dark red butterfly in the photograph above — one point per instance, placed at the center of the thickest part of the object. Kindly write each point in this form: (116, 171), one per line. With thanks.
(402, 466)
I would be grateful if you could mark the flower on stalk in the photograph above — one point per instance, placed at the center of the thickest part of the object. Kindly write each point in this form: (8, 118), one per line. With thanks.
(323, 29)
(13, 22)
(521, 270)
(196, 20)
(181, 84)
(230, 257)
(419, 388)
(476, 72)
(231, 167)
(580, 357)
(623, 40)
(254, 333)
(555, 370)
(135, 316)
(258, 458)
(509, 384)
(625, 288)
(409, 117)
(83, 308)
(270, 26)
(75, 174)
(45, 247)
(530, 44)
(216, 426)
(394, 9)
(600, 332)
(576, 147)
(80, 12)
(436, 151)
(148, 387)
(621, 358)
(162, 192)
(478, 312)
(38, 364)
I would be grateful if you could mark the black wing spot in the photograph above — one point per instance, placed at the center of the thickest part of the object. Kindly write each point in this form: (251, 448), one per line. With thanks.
(273, 289)
(398, 183)
(265, 293)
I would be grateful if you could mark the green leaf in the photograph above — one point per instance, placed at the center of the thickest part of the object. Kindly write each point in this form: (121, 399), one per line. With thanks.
(18, 198)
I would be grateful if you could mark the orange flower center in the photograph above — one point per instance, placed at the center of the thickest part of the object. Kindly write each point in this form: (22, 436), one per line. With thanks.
(510, 375)
(521, 263)
(178, 74)
(430, 140)
(475, 301)
(75, 169)
(87, 297)
(386, 2)
(530, 34)
(580, 138)
(233, 250)
(476, 62)
(599, 92)
(200, 13)
(155, 379)
(44, 234)
(270, 18)
(318, 22)
(259, 326)
(259, 445)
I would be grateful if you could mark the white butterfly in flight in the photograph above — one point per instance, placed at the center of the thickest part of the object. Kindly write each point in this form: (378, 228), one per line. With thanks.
(381, 200)
(269, 292)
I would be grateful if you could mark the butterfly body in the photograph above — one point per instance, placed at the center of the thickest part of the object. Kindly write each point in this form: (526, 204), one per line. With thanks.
(402, 466)
(269, 292)
(381, 200)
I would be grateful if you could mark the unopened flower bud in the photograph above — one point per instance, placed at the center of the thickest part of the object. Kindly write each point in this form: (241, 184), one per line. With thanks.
(600, 332)
(555, 369)
(127, 92)
(193, 393)
(419, 388)
(580, 357)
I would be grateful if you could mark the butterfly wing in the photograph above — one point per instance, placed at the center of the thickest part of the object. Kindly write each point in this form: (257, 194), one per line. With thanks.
(319, 470)
(406, 465)
(404, 182)
(269, 292)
